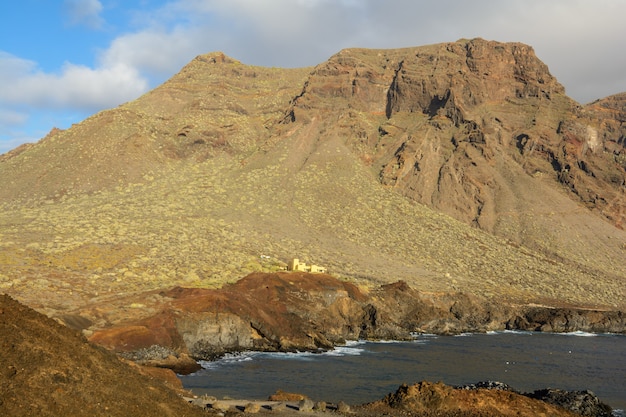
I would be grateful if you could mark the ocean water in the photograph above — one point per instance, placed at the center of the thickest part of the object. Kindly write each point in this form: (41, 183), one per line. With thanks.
(362, 372)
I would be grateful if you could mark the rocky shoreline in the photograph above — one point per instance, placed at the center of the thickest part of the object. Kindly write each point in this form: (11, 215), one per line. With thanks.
(486, 398)
(289, 312)
(299, 312)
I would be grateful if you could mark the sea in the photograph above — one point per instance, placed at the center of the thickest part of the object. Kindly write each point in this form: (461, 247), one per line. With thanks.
(364, 371)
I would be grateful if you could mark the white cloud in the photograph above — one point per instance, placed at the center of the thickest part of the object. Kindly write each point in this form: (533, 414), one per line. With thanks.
(156, 52)
(272, 32)
(84, 13)
(581, 41)
(12, 67)
(74, 87)
(11, 136)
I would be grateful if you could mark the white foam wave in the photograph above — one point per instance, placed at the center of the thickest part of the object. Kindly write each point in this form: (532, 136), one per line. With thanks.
(301, 356)
(348, 350)
(417, 335)
(355, 342)
(527, 332)
(579, 333)
(229, 359)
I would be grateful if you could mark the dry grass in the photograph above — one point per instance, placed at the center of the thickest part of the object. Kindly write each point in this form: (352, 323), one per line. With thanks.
(210, 223)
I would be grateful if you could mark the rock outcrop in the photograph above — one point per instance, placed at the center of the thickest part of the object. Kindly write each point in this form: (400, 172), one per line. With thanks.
(427, 398)
(583, 403)
(309, 312)
(461, 118)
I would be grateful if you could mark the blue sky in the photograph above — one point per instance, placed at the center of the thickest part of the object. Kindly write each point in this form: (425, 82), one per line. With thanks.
(63, 60)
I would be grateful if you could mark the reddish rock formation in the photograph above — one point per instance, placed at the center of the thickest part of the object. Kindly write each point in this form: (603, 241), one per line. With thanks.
(301, 311)
(462, 119)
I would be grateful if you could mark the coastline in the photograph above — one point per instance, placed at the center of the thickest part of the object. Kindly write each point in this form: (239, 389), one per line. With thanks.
(365, 371)
(425, 399)
(291, 312)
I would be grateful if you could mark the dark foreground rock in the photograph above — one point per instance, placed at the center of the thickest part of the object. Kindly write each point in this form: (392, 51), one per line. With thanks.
(311, 312)
(584, 403)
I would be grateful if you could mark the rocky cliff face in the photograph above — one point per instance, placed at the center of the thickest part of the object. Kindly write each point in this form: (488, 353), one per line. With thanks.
(299, 311)
(472, 128)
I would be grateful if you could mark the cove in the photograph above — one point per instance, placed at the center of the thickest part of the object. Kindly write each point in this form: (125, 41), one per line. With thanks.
(362, 372)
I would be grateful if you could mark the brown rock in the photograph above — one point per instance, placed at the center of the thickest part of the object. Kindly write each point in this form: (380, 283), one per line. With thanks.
(298, 311)
(342, 407)
(252, 408)
(440, 399)
(281, 395)
(319, 406)
(305, 405)
(221, 406)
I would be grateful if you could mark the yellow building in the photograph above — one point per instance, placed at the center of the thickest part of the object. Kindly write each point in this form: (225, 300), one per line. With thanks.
(296, 265)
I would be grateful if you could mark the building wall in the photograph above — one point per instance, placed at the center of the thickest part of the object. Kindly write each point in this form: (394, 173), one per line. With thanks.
(295, 265)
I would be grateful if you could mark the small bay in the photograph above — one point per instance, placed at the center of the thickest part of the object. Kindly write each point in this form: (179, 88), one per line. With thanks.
(366, 371)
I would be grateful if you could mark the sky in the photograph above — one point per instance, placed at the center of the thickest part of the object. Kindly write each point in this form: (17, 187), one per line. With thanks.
(64, 60)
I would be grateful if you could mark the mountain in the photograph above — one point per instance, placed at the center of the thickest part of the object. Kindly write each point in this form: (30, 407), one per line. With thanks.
(456, 167)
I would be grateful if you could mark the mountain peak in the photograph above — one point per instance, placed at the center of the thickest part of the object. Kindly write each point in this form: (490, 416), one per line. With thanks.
(217, 57)
(459, 165)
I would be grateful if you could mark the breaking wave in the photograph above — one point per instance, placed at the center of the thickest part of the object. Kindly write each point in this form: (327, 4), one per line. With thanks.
(349, 349)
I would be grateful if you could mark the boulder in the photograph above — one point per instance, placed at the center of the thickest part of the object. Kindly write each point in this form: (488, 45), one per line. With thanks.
(319, 406)
(584, 403)
(342, 407)
(305, 405)
(220, 406)
(281, 406)
(252, 408)
(281, 395)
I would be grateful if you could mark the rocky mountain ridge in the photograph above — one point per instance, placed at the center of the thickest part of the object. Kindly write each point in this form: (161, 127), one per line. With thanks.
(460, 166)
